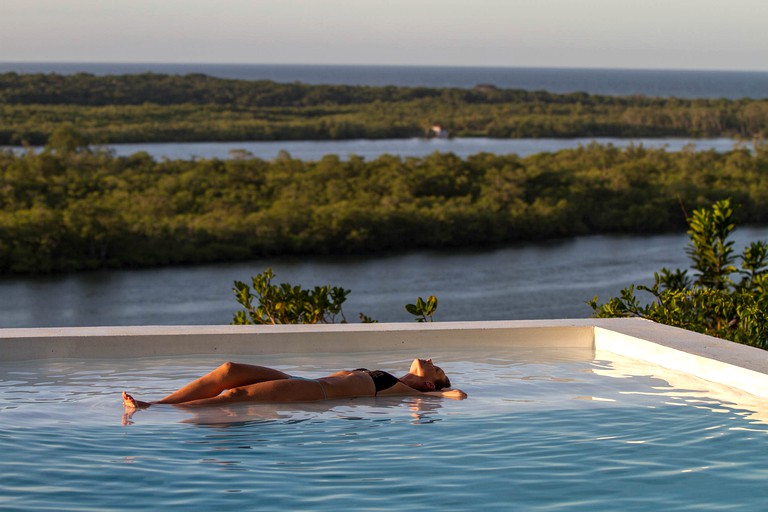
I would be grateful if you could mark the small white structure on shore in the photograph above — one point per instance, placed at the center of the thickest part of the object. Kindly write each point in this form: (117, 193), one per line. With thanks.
(438, 131)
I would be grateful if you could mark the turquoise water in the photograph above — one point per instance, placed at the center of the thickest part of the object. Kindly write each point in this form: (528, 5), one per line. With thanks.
(544, 430)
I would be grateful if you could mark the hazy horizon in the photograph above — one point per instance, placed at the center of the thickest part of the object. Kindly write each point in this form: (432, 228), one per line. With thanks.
(700, 35)
(323, 64)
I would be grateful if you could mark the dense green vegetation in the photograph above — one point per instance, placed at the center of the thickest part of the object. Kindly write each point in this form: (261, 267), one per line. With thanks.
(156, 108)
(68, 208)
(722, 300)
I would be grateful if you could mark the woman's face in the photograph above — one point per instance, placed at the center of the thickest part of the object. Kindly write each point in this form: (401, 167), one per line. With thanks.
(424, 368)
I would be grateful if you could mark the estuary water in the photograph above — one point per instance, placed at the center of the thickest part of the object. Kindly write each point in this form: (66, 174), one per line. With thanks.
(530, 281)
(416, 147)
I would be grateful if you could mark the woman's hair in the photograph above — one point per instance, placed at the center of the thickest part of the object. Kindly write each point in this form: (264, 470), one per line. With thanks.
(442, 381)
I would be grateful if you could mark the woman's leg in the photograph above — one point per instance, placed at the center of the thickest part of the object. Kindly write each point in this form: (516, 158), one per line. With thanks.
(226, 376)
(283, 390)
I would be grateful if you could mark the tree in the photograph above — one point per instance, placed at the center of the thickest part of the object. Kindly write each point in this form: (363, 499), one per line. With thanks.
(66, 140)
(713, 302)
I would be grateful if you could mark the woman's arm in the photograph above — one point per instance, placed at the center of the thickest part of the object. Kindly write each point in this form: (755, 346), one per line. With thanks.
(456, 394)
(404, 389)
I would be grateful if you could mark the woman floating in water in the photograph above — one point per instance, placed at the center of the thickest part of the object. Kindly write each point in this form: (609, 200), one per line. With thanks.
(235, 382)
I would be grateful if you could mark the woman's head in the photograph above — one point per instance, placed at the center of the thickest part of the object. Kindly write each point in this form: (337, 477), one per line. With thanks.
(433, 376)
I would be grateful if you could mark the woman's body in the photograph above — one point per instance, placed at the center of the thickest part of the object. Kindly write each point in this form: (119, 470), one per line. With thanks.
(236, 382)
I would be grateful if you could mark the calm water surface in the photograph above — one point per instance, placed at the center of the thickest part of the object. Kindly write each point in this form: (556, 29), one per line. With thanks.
(415, 147)
(541, 430)
(532, 281)
(371, 149)
(620, 82)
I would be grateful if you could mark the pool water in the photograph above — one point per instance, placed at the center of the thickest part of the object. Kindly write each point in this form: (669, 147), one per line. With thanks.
(542, 429)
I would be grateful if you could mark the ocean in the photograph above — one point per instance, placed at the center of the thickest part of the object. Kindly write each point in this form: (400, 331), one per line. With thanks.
(615, 82)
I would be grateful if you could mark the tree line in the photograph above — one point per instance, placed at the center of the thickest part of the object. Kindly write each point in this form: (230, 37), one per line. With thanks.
(69, 207)
(170, 108)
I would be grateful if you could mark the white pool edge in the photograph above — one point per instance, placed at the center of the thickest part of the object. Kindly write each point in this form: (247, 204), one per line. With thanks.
(739, 366)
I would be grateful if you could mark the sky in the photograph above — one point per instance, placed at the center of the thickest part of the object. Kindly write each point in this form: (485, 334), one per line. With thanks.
(633, 34)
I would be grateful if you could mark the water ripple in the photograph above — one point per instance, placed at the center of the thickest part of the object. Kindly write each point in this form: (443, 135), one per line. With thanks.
(543, 434)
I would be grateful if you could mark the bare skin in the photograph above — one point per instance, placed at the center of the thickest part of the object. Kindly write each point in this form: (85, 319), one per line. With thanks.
(236, 382)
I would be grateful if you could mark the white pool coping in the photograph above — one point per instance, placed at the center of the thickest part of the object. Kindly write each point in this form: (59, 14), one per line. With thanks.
(723, 362)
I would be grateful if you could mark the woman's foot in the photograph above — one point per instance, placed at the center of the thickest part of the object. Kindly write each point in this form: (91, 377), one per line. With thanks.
(131, 403)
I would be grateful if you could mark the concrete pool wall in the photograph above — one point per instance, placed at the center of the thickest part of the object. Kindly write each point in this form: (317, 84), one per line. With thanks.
(739, 366)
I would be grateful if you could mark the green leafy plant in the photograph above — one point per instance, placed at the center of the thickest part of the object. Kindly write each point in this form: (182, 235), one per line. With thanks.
(367, 319)
(268, 303)
(423, 310)
(712, 303)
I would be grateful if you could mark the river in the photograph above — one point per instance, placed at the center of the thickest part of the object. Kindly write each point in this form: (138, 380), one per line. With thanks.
(415, 147)
(530, 281)
(371, 149)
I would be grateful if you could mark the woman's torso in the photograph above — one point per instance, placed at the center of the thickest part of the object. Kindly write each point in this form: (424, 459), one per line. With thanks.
(362, 382)
(348, 384)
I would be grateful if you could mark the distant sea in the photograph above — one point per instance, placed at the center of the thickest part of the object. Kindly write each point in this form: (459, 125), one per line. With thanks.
(616, 82)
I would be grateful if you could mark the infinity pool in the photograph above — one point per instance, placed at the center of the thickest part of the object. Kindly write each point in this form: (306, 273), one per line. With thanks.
(542, 429)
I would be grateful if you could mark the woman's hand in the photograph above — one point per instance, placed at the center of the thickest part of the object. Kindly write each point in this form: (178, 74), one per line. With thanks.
(456, 394)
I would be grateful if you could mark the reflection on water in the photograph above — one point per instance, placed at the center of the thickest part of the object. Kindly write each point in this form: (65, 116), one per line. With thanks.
(421, 410)
(684, 389)
(498, 380)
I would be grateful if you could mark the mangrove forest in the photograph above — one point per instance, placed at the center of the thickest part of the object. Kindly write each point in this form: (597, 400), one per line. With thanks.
(69, 207)
(170, 108)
